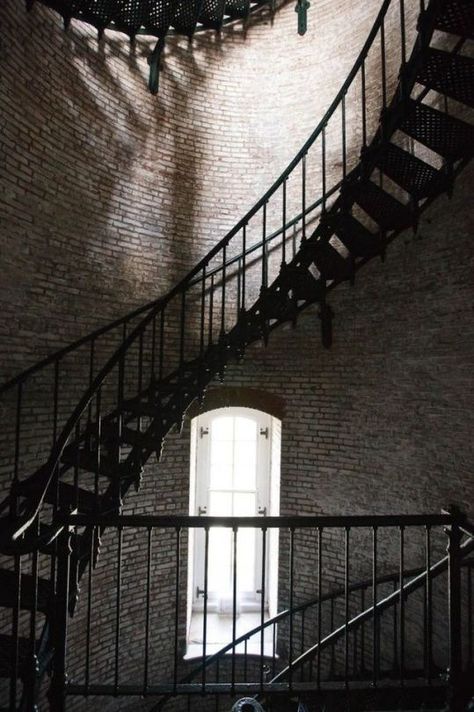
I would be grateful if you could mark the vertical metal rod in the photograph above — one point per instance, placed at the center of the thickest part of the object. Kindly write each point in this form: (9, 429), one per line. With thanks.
(58, 683)
(176, 608)
(283, 239)
(383, 65)
(224, 279)
(346, 606)
(55, 400)
(331, 627)
(204, 622)
(153, 350)
(211, 309)
(264, 248)
(403, 33)
(454, 612)
(147, 608)
(91, 376)
(15, 635)
(262, 604)
(396, 662)
(89, 611)
(161, 356)
(140, 362)
(428, 608)
(118, 595)
(343, 130)
(239, 285)
(245, 660)
(77, 432)
(234, 604)
(374, 608)
(303, 197)
(33, 620)
(401, 622)
(98, 448)
(244, 263)
(273, 649)
(362, 632)
(320, 571)
(291, 586)
(469, 614)
(182, 328)
(203, 311)
(302, 640)
(323, 167)
(364, 106)
(16, 464)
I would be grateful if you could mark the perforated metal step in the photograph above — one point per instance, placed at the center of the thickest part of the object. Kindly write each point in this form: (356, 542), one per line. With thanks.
(382, 207)
(449, 137)
(418, 178)
(450, 74)
(457, 17)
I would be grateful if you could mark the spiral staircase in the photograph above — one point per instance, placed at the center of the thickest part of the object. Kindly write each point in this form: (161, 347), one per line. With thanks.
(138, 376)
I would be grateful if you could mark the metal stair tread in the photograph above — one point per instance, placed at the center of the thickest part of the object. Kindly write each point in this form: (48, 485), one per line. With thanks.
(446, 135)
(457, 17)
(8, 585)
(450, 74)
(412, 174)
(382, 207)
(356, 237)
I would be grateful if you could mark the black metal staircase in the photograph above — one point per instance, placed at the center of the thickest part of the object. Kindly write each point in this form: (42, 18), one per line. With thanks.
(134, 380)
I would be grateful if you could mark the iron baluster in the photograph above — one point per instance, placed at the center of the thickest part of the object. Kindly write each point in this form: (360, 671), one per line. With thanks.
(162, 345)
(291, 585)
(234, 604)
(262, 604)
(403, 34)
(374, 609)
(303, 197)
(428, 608)
(364, 106)
(30, 684)
(283, 239)
(224, 280)
(58, 683)
(140, 371)
(273, 649)
(76, 465)
(401, 621)
(323, 168)
(211, 310)
(91, 376)
(362, 632)
(89, 611)
(343, 131)
(302, 640)
(244, 263)
(203, 312)
(118, 597)
(320, 572)
(454, 613)
(153, 350)
(149, 546)
(239, 286)
(264, 247)
(333, 652)
(15, 635)
(346, 605)
(204, 622)
(55, 432)
(396, 662)
(98, 449)
(469, 614)
(383, 65)
(182, 328)
(176, 608)
(16, 464)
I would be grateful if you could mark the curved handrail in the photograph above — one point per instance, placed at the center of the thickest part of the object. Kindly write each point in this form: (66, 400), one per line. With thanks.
(413, 574)
(47, 471)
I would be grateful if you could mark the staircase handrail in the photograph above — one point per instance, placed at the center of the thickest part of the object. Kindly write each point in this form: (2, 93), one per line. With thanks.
(187, 280)
(14, 530)
(435, 570)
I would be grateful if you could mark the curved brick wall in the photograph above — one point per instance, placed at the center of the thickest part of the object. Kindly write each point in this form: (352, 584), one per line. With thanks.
(109, 195)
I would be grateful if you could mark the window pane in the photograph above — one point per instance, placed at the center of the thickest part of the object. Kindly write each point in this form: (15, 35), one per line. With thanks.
(220, 552)
(222, 428)
(244, 504)
(221, 463)
(220, 504)
(245, 429)
(246, 560)
(221, 476)
(245, 466)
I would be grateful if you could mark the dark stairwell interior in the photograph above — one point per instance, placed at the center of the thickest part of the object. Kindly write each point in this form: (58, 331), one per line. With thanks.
(131, 384)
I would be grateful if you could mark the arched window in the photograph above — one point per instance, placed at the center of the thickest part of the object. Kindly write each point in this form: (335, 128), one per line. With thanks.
(235, 471)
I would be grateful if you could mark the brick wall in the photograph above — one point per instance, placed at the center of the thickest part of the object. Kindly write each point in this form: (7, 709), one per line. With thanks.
(109, 195)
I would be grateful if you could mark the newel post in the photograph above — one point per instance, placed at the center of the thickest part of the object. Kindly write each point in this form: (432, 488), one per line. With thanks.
(57, 691)
(454, 697)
